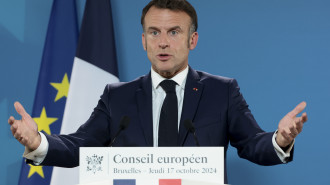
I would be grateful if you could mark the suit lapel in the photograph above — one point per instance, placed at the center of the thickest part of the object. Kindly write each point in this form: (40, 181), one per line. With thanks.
(192, 94)
(144, 101)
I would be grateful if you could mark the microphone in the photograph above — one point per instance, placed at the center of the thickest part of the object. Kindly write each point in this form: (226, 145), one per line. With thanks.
(190, 127)
(124, 122)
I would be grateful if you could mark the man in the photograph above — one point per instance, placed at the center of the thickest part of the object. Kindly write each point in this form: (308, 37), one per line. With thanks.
(213, 103)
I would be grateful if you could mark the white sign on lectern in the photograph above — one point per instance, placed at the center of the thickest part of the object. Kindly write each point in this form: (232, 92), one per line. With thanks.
(151, 165)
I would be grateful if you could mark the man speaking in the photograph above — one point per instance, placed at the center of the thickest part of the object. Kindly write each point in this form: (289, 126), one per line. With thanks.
(159, 103)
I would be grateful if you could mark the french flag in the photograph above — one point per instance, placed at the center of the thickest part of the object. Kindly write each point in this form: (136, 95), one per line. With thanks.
(94, 66)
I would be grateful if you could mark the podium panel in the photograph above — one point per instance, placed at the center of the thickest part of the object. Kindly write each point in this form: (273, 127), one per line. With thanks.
(151, 165)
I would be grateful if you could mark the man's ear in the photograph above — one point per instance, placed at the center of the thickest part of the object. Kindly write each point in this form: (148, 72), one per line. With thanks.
(193, 41)
(144, 42)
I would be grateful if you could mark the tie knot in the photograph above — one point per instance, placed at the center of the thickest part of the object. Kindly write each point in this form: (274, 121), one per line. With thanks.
(168, 85)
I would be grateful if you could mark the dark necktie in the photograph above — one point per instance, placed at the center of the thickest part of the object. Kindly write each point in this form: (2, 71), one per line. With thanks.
(168, 121)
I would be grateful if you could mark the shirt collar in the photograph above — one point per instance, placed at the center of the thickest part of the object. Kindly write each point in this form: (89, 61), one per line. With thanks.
(179, 78)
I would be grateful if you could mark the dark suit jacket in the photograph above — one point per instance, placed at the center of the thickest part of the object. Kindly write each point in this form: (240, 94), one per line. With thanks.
(214, 104)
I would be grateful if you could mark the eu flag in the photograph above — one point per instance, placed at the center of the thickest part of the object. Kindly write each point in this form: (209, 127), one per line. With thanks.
(53, 82)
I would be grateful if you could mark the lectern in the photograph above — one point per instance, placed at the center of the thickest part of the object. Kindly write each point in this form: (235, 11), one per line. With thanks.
(151, 166)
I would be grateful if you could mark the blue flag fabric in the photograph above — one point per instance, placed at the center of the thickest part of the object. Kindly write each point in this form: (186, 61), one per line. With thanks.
(96, 40)
(53, 83)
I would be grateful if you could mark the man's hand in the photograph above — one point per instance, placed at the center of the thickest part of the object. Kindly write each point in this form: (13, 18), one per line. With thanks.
(291, 125)
(26, 129)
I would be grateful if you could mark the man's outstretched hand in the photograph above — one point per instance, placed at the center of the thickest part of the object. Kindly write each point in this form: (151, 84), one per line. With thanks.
(291, 125)
(26, 129)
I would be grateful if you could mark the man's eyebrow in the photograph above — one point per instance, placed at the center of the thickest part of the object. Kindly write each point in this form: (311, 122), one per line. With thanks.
(176, 28)
(153, 28)
(171, 28)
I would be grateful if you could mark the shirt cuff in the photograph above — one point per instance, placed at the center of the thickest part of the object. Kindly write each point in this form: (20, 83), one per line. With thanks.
(39, 154)
(283, 155)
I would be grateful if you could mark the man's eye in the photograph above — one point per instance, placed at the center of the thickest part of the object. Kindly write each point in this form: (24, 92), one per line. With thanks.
(154, 33)
(173, 32)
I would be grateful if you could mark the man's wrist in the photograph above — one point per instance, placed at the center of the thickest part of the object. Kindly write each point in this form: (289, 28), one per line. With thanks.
(35, 143)
(284, 155)
(39, 154)
(287, 147)
(280, 141)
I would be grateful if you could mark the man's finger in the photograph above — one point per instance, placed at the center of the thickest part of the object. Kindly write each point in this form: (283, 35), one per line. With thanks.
(11, 120)
(299, 126)
(17, 135)
(304, 117)
(13, 130)
(20, 110)
(298, 109)
(14, 127)
(294, 131)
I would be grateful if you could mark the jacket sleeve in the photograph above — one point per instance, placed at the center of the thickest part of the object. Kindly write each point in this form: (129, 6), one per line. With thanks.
(63, 150)
(251, 141)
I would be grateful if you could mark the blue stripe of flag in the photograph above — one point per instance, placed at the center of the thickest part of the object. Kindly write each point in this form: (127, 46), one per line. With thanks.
(96, 42)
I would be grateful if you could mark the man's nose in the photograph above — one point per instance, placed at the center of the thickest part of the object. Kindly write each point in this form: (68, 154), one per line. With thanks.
(163, 42)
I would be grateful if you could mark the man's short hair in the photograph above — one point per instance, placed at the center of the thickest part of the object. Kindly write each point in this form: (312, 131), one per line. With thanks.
(174, 5)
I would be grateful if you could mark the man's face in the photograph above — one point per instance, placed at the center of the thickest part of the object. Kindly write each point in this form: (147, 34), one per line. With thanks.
(167, 40)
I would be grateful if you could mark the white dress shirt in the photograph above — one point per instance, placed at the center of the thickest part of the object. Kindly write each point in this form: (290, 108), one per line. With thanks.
(158, 96)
